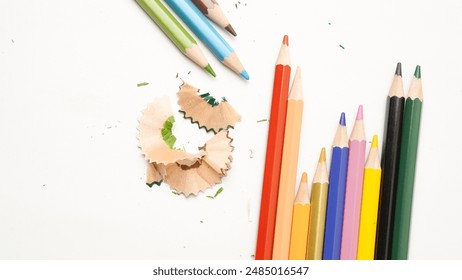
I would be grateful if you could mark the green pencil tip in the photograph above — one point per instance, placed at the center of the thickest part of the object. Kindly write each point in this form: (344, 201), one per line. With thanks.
(417, 72)
(209, 69)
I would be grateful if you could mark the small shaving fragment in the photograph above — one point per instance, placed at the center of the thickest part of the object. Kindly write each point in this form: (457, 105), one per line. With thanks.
(142, 84)
(342, 46)
(216, 194)
(262, 120)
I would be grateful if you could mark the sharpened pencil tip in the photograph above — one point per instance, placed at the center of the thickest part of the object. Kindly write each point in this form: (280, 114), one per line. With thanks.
(230, 29)
(285, 41)
(304, 178)
(375, 141)
(209, 69)
(417, 72)
(322, 157)
(359, 115)
(245, 75)
(398, 69)
(342, 121)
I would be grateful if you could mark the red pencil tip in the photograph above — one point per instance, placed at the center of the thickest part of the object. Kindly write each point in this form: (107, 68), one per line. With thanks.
(285, 41)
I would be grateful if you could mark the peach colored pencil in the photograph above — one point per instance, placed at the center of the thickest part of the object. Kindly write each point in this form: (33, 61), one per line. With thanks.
(289, 164)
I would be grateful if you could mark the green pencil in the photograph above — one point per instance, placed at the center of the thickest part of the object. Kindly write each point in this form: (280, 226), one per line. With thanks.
(176, 32)
(407, 165)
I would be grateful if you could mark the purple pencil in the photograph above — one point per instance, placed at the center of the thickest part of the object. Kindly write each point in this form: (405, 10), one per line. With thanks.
(353, 191)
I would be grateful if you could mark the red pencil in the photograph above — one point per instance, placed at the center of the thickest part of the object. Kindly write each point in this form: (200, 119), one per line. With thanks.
(274, 146)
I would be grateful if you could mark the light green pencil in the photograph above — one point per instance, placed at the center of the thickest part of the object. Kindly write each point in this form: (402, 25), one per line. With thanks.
(176, 32)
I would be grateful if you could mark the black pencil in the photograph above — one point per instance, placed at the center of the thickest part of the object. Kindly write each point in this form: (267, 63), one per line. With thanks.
(390, 166)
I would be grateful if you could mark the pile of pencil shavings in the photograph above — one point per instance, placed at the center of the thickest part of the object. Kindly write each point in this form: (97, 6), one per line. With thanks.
(185, 172)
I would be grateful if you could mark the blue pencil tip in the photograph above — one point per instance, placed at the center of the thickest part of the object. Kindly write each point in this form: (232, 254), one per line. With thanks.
(245, 75)
(342, 119)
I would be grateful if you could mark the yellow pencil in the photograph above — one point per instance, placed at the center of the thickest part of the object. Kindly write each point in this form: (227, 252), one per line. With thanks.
(319, 191)
(300, 221)
(370, 203)
(288, 177)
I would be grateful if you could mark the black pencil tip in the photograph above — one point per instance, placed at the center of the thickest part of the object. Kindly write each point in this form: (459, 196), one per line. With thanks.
(398, 69)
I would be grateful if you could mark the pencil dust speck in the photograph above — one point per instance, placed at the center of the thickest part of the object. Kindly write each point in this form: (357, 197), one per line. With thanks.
(175, 193)
(341, 46)
(189, 72)
(262, 120)
(251, 153)
(142, 84)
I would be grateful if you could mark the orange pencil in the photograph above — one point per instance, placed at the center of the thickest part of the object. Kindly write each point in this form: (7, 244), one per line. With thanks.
(274, 147)
(288, 175)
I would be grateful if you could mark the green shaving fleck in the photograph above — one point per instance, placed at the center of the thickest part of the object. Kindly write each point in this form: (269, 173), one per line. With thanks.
(342, 46)
(262, 120)
(211, 100)
(217, 193)
(142, 84)
(175, 193)
(154, 183)
(166, 132)
(202, 222)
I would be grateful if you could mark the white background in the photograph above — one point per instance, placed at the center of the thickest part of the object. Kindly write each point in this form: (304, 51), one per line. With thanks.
(72, 178)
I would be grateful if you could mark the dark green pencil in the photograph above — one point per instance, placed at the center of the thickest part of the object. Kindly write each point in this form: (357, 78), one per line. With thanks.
(407, 167)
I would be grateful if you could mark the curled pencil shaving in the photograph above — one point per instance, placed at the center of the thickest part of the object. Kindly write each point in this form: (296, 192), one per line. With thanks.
(150, 138)
(205, 110)
(155, 174)
(206, 172)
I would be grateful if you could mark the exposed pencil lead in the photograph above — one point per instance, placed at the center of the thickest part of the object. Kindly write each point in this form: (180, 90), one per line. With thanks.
(342, 119)
(375, 141)
(417, 72)
(398, 69)
(304, 178)
(209, 69)
(322, 157)
(230, 29)
(285, 41)
(359, 115)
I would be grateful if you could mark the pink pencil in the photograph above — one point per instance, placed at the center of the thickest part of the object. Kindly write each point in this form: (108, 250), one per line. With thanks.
(353, 191)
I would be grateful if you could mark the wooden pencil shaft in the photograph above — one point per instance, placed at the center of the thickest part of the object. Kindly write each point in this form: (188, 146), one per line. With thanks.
(368, 220)
(299, 232)
(168, 23)
(317, 221)
(405, 189)
(273, 159)
(389, 181)
(287, 180)
(335, 202)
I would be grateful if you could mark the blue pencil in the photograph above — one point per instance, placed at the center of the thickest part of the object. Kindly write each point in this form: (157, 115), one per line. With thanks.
(199, 24)
(336, 194)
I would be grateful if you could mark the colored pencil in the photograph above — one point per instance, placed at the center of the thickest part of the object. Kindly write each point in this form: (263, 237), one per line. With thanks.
(300, 221)
(319, 191)
(407, 168)
(336, 195)
(390, 166)
(275, 142)
(369, 203)
(197, 22)
(353, 189)
(175, 32)
(213, 11)
(288, 174)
